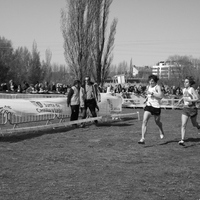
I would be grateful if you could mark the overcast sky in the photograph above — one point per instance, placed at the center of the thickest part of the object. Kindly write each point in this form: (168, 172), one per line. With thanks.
(148, 31)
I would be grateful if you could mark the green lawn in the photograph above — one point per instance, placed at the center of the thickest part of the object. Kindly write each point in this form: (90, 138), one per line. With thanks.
(102, 163)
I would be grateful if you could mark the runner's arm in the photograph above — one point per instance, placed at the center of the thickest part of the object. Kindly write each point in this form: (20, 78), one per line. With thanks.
(158, 93)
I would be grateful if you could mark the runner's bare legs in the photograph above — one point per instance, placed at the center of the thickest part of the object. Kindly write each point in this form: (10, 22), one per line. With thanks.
(159, 124)
(194, 122)
(184, 120)
(146, 117)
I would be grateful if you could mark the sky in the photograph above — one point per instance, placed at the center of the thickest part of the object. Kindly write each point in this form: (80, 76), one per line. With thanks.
(148, 31)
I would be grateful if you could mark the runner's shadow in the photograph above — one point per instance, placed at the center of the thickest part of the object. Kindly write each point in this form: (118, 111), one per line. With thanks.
(164, 143)
(194, 140)
(169, 141)
(154, 145)
(108, 124)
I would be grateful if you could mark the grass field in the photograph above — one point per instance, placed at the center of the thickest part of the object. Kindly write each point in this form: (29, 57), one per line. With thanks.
(103, 162)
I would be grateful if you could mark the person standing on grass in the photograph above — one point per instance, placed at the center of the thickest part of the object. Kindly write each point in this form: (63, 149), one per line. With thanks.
(154, 96)
(89, 98)
(73, 100)
(189, 99)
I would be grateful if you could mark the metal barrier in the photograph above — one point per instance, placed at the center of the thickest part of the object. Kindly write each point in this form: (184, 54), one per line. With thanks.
(8, 132)
(133, 103)
(21, 130)
(169, 103)
(28, 96)
(13, 120)
(10, 118)
(140, 103)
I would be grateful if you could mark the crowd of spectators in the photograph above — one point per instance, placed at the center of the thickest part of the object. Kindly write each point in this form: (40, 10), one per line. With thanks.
(38, 88)
(57, 88)
(139, 89)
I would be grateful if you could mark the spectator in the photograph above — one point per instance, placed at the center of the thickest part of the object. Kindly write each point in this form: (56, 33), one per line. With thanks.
(4, 87)
(73, 100)
(53, 87)
(37, 86)
(31, 89)
(25, 86)
(41, 90)
(46, 87)
(19, 88)
(12, 86)
(89, 97)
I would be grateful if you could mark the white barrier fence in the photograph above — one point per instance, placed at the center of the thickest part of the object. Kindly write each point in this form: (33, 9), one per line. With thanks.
(8, 132)
(17, 109)
(29, 96)
(9, 117)
(136, 101)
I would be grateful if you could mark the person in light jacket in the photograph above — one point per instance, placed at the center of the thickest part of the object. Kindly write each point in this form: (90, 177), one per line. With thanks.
(73, 100)
(89, 98)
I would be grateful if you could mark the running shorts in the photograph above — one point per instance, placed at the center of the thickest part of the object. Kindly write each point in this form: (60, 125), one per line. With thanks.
(152, 110)
(190, 112)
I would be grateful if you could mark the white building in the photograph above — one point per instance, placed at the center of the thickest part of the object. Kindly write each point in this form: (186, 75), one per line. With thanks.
(119, 79)
(166, 70)
(133, 70)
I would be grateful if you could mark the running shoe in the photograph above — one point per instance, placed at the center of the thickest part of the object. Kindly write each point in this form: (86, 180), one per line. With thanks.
(141, 141)
(181, 143)
(161, 136)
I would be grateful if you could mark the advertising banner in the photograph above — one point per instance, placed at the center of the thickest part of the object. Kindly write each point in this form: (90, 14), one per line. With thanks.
(42, 106)
(58, 106)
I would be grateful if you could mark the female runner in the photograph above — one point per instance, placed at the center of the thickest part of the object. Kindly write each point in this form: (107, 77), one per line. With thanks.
(190, 110)
(154, 96)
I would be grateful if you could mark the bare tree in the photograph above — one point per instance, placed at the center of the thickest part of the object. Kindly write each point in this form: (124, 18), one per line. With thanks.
(188, 67)
(34, 71)
(48, 56)
(6, 56)
(76, 26)
(46, 66)
(103, 49)
(21, 65)
(83, 25)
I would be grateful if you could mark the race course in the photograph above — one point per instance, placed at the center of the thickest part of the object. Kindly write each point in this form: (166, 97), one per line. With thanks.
(103, 162)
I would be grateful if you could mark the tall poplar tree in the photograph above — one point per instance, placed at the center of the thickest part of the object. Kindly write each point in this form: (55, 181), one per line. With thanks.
(6, 56)
(34, 71)
(87, 50)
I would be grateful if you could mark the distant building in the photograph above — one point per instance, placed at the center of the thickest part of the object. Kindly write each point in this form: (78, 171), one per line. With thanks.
(119, 79)
(166, 70)
(133, 70)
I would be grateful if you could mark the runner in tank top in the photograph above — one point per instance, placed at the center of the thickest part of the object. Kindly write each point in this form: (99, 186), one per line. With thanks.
(154, 96)
(189, 99)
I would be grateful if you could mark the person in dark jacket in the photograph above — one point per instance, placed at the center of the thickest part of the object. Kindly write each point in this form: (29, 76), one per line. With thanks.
(73, 100)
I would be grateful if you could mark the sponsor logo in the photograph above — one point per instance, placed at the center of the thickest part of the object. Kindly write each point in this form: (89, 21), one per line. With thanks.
(37, 103)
